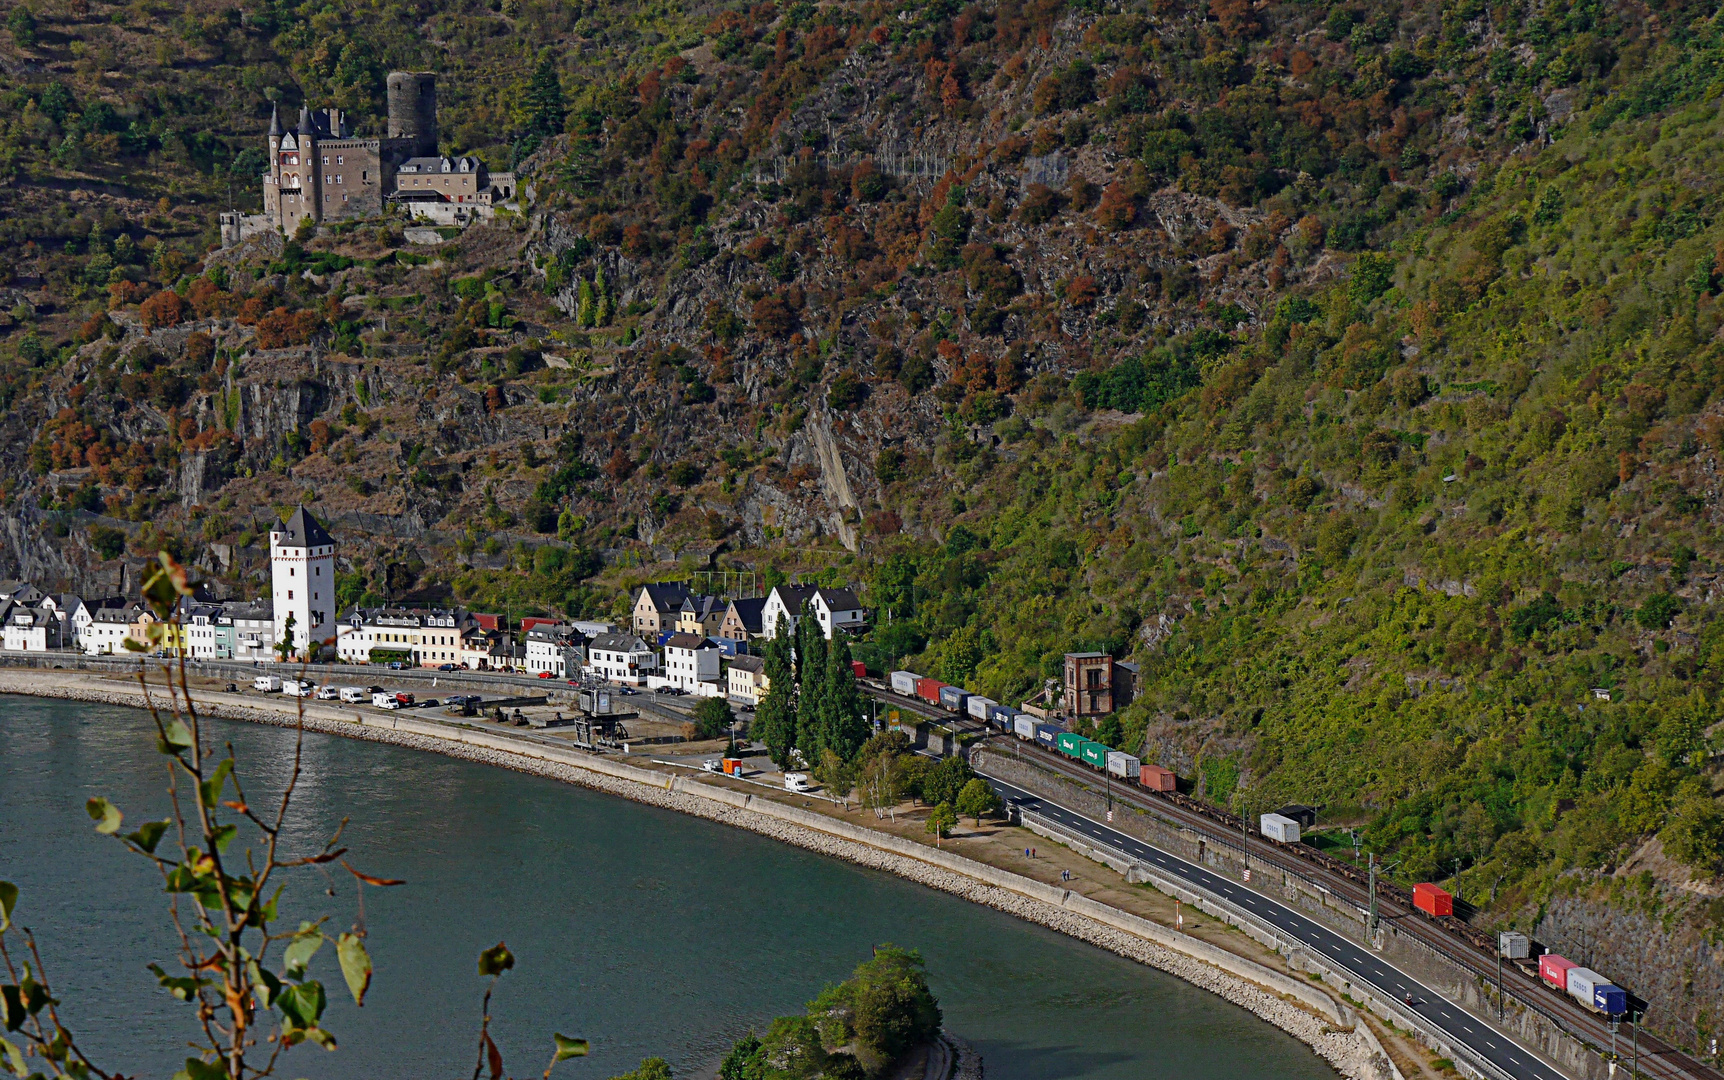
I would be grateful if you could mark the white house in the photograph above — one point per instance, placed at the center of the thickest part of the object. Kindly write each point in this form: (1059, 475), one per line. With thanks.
(691, 663)
(204, 635)
(28, 629)
(555, 649)
(302, 569)
(833, 609)
(836, 609)
(108, 628)
(784, 607)
(621, 658)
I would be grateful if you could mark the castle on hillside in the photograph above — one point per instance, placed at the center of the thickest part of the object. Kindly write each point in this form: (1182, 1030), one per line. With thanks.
(322, 172)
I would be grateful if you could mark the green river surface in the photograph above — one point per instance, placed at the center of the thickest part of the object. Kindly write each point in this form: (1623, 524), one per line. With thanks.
(647, 931)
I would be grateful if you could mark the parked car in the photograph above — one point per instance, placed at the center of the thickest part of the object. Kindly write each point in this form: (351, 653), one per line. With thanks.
(403, 698)
(448, 667)
(328, 693)
(396, 665)
(429, 703)
(546, 675)
(712, 765)
(747, 708)
(626, 692)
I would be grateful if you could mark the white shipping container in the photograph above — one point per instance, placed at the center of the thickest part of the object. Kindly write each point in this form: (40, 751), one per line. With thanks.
(904, 682)
(1123, 765)
(1513, 946)
(978, 706)
(1581, 982)
(1283, 830)
(1024, 726)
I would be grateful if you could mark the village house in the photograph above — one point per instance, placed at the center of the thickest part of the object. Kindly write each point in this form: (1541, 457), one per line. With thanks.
(555, 649)
(746, 680)
(833, 609)
(657, 607)
(108, 629)
(700, 615)
(621, 658)
(691, 663)
(742, 619)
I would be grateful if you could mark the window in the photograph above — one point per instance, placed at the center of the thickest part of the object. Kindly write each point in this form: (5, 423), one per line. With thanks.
(338, 159)
(290, 594)
(326, 159)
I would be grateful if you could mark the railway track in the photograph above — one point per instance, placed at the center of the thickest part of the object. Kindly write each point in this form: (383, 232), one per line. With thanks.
(1447, 937)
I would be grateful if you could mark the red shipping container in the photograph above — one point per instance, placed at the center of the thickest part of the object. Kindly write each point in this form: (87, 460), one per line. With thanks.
(1156, 778)
(1553, 969)
(929, 689)
(859, 669)
(1432, 900)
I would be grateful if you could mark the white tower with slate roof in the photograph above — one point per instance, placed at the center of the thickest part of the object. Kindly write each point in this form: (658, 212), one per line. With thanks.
(302, 567)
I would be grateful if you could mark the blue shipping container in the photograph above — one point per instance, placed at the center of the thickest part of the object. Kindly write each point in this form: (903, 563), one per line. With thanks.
(1611, 999)
(1002, 716)
(1046, 734)
(954, 698)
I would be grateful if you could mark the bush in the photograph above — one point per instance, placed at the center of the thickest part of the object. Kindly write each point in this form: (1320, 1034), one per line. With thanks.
(109, 542)
(1658, 610)
(712, 717)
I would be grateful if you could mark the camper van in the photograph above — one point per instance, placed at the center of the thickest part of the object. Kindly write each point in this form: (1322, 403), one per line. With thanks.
(354, 695)
(797, 781)
(269, 684)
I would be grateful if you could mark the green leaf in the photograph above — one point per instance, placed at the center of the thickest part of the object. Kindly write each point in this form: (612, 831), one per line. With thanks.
(16, 1013)
(355, 965)
(14, 1058)
(105, 814)
(302, 1005)
(223, 836)
(183, 987)
(149, 834)
(568, 1048)
(200, 1070)
(320, 1037)
(304, 947)
(266, 987)
(210, 789)
(174, 738)
(8, 901)
(496, 960)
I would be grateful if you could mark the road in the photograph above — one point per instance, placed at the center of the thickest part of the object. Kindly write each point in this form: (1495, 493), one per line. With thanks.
(1657, 1059)
(1359, 964)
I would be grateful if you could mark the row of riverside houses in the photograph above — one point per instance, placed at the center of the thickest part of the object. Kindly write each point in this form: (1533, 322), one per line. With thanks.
(698, 632)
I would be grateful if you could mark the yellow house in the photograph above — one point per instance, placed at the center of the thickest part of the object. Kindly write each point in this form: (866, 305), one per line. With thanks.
(747, 681)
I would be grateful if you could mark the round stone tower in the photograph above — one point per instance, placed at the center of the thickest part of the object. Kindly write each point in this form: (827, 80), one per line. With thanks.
(413, 109)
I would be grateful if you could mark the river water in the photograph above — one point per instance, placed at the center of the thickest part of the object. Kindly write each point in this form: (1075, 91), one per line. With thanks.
(649, 932)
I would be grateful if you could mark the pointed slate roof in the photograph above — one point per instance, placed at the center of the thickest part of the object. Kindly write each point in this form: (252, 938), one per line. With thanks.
(274, 119)
(304, 121)
(303, 530)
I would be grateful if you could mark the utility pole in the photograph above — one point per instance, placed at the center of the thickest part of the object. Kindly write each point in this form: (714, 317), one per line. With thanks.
(1371, 919)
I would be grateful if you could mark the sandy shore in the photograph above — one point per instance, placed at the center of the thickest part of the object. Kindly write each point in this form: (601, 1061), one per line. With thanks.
(1355, 1054)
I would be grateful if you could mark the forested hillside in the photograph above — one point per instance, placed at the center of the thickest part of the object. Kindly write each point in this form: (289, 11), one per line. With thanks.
(1353, 368)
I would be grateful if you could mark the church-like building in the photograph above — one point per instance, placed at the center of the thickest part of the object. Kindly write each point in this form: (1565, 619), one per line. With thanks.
(320, 170)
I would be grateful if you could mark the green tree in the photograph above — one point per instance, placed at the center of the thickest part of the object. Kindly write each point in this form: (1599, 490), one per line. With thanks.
(978, 798)
(1657, 611)
(946, 780)
(846, 728)
(284, 647)
(652, 1068)
(22, 23)
(941, 819)
(546, 109)
(712, 716)
(1695, 833)
(775, 720)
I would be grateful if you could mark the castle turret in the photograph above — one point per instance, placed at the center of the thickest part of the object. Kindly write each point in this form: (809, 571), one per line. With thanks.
(413, 110)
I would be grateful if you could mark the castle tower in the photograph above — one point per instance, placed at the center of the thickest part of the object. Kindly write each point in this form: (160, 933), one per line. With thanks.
(413, 110)
(302, 569)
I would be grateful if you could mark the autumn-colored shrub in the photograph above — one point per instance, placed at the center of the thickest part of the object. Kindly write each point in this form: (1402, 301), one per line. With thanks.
(163, 309)
(1117, 210)
(774, 317)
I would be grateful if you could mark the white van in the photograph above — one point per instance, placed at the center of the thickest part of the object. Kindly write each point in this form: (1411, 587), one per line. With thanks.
(354, 695)
(385, 700)
(797, 781)
(269, 684)
(294, 688)
(327, 693)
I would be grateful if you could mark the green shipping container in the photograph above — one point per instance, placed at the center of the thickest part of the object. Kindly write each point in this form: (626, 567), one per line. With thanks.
(1095, 755)
(1068, 742)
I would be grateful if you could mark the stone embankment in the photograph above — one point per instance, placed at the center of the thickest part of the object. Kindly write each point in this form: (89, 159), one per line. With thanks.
(1291, 1006)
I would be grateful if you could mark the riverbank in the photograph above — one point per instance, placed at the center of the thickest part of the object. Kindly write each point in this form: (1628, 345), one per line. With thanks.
(1298, 1009)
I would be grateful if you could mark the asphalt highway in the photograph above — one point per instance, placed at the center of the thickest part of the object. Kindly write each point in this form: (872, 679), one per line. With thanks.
(1360, 965)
